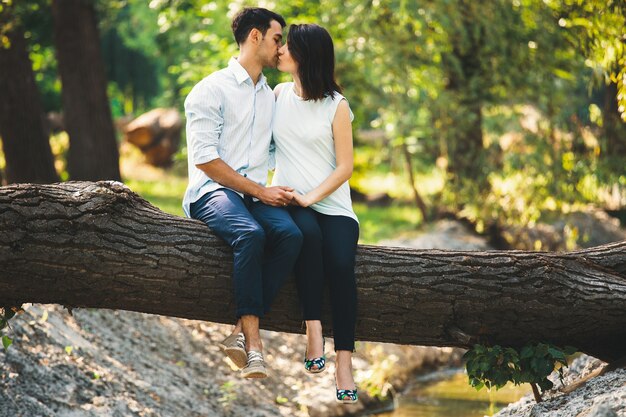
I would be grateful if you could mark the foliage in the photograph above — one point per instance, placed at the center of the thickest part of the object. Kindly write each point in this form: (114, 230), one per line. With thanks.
(6, 314)
(494, 366)
(596, 28)
(448, 80)
(133, 60)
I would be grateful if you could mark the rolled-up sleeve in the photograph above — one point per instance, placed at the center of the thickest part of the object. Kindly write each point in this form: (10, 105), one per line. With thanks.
(203, 111)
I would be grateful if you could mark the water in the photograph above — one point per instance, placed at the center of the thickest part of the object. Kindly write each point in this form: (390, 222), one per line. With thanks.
(448, 394)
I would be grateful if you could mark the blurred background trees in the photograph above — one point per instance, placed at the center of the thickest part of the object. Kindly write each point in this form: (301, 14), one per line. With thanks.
(497, 112)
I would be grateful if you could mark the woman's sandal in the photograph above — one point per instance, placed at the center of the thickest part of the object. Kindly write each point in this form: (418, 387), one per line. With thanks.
(320, 362)
(347, 396)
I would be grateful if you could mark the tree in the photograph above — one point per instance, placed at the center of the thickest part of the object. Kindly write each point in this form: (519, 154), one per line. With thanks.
(24, 136)
(93, 152)
(100, 245)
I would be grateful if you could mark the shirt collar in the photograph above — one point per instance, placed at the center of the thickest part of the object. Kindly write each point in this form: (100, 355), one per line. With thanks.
(241, 75)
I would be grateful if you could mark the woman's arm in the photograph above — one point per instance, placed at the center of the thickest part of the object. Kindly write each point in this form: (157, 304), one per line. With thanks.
(342, 133)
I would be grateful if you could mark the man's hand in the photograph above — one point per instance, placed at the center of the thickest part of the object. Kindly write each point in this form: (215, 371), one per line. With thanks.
(278, 196)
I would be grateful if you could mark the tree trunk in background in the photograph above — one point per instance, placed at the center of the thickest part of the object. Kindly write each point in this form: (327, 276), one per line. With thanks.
(93, 152)
(25, 141)
(614, 126)
(465, 135)
(465, 143)
(100, 245)
(419, 202)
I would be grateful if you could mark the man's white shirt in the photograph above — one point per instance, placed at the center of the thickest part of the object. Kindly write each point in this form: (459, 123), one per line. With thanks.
(228, 117)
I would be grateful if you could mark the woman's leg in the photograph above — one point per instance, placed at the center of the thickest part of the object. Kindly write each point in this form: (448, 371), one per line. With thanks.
(309, 274)
(340, 236)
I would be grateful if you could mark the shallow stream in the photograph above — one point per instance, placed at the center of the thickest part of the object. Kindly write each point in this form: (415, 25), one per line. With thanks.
(448, 394)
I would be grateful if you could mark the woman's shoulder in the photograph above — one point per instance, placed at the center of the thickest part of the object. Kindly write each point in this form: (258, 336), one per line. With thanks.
(336, 101)
(281, 87)
(333, 100)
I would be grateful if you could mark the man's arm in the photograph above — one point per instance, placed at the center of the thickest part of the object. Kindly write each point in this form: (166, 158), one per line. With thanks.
(223, 174)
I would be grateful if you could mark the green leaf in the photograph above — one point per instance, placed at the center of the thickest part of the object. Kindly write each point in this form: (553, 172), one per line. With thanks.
(527, 352)
(556, 353)
(541, 349)
(570, 350)
(6, 341)
(535, 364)
(484, 366)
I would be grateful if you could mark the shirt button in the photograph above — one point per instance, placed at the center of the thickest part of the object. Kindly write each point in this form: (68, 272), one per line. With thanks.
(245, 175)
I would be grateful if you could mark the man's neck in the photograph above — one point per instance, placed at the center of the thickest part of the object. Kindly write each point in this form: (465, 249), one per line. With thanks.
(251, 65)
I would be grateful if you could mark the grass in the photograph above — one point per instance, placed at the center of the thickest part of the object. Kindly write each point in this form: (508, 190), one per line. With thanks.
(382, 223)
(377, 223)
(165, 194)
(165, 190)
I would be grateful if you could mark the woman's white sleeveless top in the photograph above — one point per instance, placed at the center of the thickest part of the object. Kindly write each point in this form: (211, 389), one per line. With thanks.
(305, 148)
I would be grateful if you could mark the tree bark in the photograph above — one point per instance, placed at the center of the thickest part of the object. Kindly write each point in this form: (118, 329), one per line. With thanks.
(25, 140)
(100, 245)
(93, 152)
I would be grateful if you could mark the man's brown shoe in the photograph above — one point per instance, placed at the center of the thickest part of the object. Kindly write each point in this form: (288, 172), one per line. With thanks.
(235, 348)
(255, 367)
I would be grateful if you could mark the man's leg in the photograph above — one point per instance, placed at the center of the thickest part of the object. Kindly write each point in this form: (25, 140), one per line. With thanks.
(283, 241)
(226, 214)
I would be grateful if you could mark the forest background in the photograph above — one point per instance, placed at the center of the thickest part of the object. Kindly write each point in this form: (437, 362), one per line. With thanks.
(503, 113)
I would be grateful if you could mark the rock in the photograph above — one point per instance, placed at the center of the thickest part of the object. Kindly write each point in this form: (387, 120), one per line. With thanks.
(600, 393)
(570, 231)
(601, 410)
(443, 234)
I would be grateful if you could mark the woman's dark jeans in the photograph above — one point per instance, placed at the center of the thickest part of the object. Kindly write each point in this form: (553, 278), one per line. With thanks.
(327, 258)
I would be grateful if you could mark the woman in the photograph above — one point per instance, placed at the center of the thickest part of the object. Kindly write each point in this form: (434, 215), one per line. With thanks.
(313, 137)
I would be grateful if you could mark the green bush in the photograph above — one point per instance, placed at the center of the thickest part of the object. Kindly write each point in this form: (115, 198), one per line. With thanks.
(495, 366)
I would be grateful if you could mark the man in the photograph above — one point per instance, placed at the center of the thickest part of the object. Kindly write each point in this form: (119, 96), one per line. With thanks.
(229, 117)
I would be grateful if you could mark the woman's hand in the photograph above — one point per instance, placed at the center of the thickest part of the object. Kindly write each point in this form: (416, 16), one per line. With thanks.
(301, 200)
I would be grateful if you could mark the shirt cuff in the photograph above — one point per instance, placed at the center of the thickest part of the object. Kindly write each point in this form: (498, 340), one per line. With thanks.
(204, 157)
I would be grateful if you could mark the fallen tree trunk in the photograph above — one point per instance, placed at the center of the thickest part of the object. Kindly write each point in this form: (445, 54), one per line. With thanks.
(156, 134)
(85, 244)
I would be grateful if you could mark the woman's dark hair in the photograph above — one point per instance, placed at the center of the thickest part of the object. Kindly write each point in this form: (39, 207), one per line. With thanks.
(312, 48)
(253, 18)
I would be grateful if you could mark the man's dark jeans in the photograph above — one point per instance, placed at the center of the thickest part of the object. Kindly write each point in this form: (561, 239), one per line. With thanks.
(265, 241)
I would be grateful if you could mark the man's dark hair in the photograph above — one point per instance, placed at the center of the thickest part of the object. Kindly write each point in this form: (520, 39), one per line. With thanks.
(253, 18)
(312, 48)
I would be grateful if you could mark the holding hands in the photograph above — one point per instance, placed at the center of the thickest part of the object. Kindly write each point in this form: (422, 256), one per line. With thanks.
(277, 196)
(300, 200)
(281, 196)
